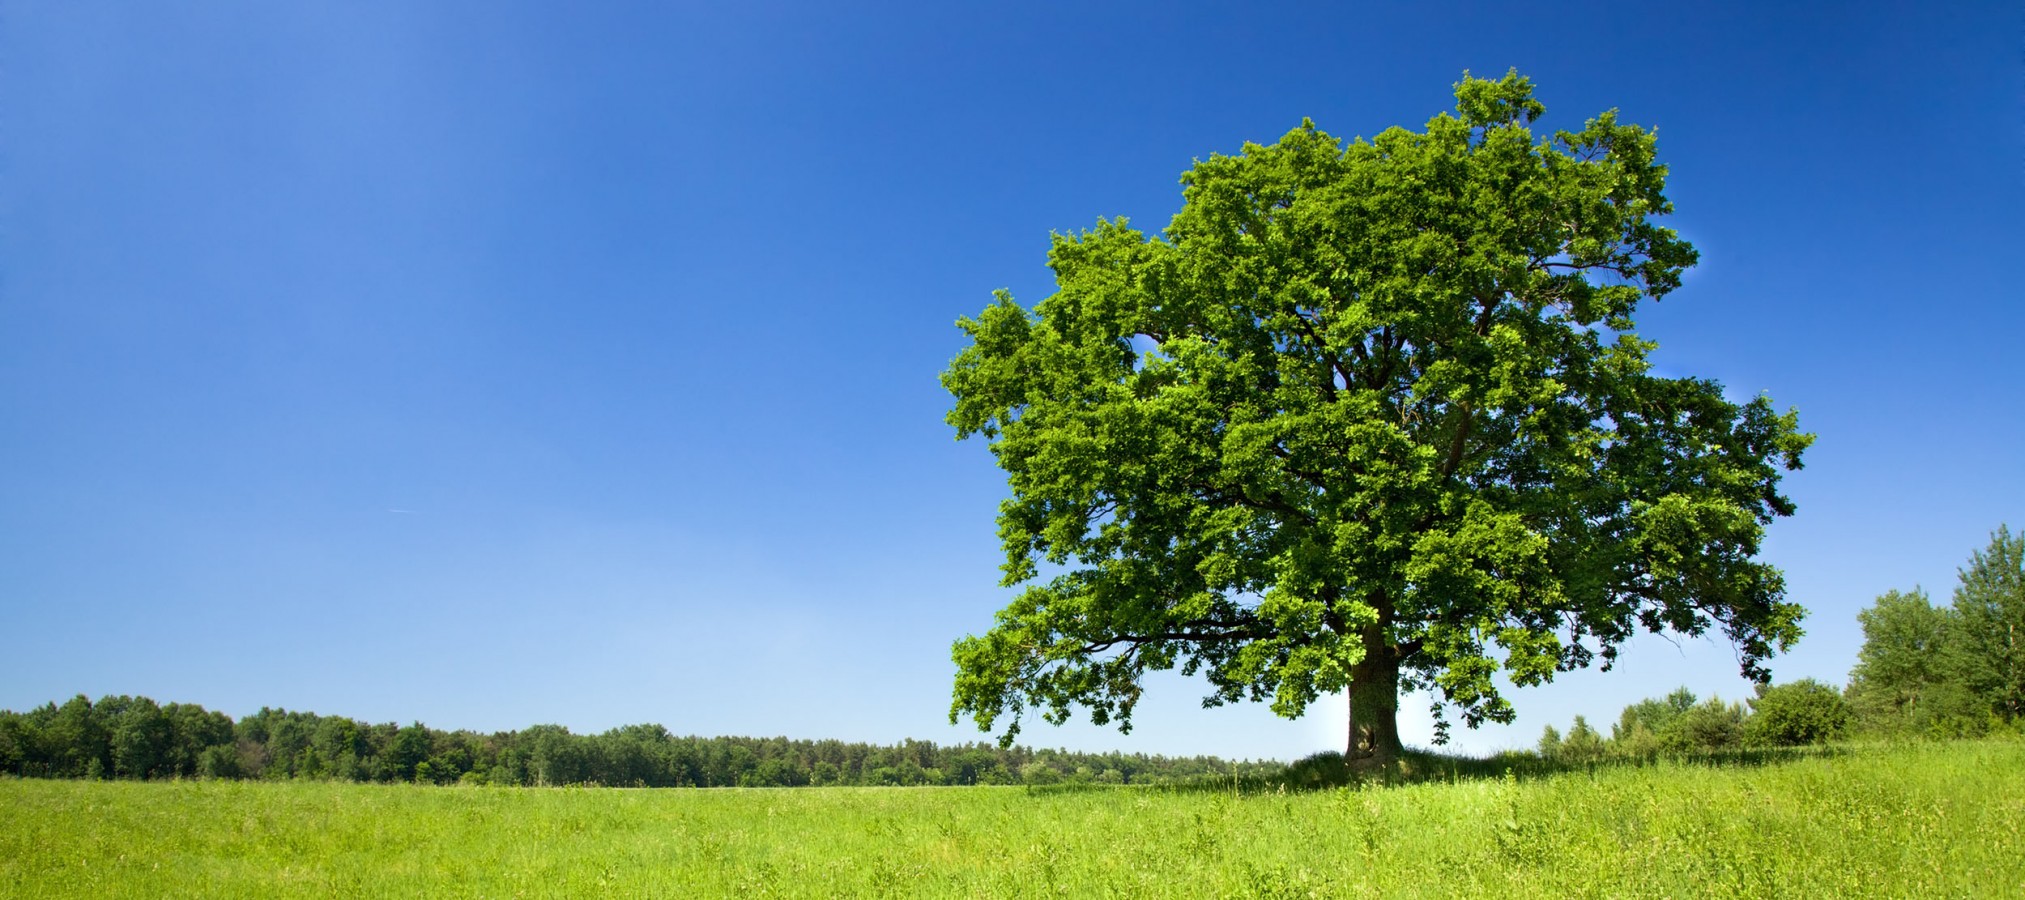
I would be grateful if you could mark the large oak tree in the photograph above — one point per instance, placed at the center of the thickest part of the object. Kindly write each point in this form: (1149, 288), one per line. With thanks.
(1368, 417)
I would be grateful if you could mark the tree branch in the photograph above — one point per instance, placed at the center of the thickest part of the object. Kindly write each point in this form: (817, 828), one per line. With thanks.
(1136, 640)
(1246, 500)
(1335, 365)
(1461, 440)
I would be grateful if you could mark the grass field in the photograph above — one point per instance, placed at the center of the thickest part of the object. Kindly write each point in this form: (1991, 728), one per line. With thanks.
(1942, 820)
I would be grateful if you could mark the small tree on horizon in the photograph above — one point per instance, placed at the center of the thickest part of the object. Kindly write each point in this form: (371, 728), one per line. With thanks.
(1795, 714)
(1986, 652)
(1953, 670)
(1652, 716)
(1899, 664)
(1710, 725)
(1583, 743)
(1550, 743)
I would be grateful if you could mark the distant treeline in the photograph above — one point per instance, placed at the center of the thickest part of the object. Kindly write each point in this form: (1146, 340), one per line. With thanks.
(136, 738)
(1787, 715)
(1925, 671)
(1948, 671)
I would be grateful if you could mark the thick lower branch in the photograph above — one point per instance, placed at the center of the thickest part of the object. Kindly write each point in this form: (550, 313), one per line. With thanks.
(1460, 441)
(1199, 637)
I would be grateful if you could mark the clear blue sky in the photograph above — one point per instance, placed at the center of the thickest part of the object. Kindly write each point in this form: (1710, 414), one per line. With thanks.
(491, 364)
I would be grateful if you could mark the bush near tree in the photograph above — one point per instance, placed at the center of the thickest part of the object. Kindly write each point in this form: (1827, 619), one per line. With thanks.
(1802, 712)
(1923, 671)
(1583, 744)
(1709, 725)
(1647, 719)
(1796, 713)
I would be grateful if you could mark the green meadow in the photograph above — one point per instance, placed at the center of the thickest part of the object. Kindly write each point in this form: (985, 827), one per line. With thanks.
(1913, 820)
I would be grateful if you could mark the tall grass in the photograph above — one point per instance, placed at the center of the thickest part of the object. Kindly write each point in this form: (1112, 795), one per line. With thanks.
(1940, 820)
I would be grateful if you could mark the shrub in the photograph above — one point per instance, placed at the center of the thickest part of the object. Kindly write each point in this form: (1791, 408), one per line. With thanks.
(1652, 716)
(1639, 741)
(1550, 743)
(1796, 713)
(1712, 725)
(1583, 743)
(1040, 773)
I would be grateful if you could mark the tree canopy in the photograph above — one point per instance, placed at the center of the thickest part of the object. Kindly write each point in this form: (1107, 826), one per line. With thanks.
(1368, 416)
(134, 738)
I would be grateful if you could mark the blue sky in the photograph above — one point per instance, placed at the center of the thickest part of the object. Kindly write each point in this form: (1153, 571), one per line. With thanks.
(491, 364)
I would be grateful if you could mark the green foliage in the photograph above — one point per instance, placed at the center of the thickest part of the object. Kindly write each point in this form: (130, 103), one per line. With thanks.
(1583, 744)
(1987, 645)
(1709, 725)
(133, 738)
(142, 737)
(1639, 742)
(1369, 416)
(1796, 713)
(193, 731)
(408, 753)
(1900, 662)
(1921, 820)
(1550, 743)
(1652, 716)
(1953, 671)
(76, 737)
(14, 750)
(221, 761)
(1800, 713)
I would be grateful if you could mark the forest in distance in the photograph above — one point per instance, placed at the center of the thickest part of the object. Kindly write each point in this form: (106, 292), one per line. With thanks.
(1924, 671)
(137, 738)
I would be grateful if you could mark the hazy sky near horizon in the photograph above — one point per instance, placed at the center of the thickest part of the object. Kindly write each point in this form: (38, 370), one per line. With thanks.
(492, 364)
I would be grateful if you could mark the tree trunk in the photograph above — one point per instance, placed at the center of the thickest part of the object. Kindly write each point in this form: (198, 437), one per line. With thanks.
(1374, 705)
